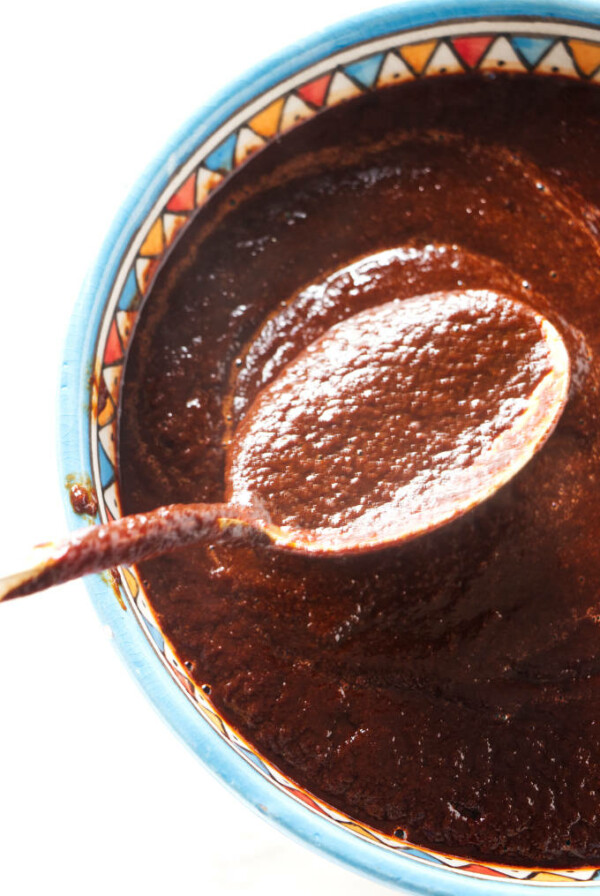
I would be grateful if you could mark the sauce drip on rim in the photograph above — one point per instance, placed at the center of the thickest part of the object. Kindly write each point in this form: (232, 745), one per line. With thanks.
(399, 418)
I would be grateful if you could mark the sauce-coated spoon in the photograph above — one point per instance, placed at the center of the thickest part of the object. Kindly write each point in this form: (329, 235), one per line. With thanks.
(394, 422)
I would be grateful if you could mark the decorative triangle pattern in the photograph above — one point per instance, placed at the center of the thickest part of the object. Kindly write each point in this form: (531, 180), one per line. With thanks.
(107, 440)
(471, 49)
(549, 877)
(107, 467)
(580, 874)
(125, 321)
(154, 243)
(443, 61)
(558, 61)
(221, 158)
(247, 144)
(516, 873)
(172, 224)
(114, 349)
(184, 199)
(106, 412)
(365, 70)
(531, 49)
(112, 378)
(501, 57)
(129, 291)
(131, 581)
(491, 50)
(294, 111)
(483, 869)
(266, 122)
(315, 91)
(144, 271)
(586, 55)
(418, 55)
(393, 71)
(341, 88)
(112, 500)
(156, 636)
(206, 182)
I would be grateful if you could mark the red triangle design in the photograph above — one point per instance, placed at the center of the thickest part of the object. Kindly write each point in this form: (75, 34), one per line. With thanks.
(183, 681)
(471, 49)
(483, 869)
(304, 797)
(315, 91)
(114, 350)
(184, 199)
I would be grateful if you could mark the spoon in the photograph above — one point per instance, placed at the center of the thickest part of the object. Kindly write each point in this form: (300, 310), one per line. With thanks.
(394, 422)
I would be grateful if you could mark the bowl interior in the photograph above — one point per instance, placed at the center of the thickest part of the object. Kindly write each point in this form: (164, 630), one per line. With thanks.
(536, 47)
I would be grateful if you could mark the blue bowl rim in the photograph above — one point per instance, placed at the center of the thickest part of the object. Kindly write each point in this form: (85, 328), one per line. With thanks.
(74, 444)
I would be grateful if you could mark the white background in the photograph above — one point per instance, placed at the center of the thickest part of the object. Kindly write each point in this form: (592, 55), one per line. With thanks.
(96, 793)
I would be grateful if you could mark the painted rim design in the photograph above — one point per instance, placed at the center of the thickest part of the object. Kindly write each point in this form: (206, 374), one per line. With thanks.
(487, 45)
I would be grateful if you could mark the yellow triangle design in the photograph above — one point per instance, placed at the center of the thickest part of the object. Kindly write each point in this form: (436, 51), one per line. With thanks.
(547, 875)
(131, 581)
(586, 55)
(266, 123)
(359, 829)
(155, 241)
(418, 55)
(107, 413)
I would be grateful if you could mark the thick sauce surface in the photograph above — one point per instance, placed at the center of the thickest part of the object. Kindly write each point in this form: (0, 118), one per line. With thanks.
(448, 688)
(398, 418)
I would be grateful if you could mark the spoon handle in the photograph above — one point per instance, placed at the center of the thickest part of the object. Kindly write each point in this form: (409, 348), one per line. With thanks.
(125, 541)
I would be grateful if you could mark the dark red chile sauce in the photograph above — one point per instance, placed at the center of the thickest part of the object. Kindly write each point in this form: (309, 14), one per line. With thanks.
(445, 381)
(448, 689)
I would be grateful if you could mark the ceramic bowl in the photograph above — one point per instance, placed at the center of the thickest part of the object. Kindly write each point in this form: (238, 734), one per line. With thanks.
(416, 40)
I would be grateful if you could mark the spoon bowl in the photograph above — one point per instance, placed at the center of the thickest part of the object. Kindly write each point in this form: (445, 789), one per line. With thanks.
(398, 420)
